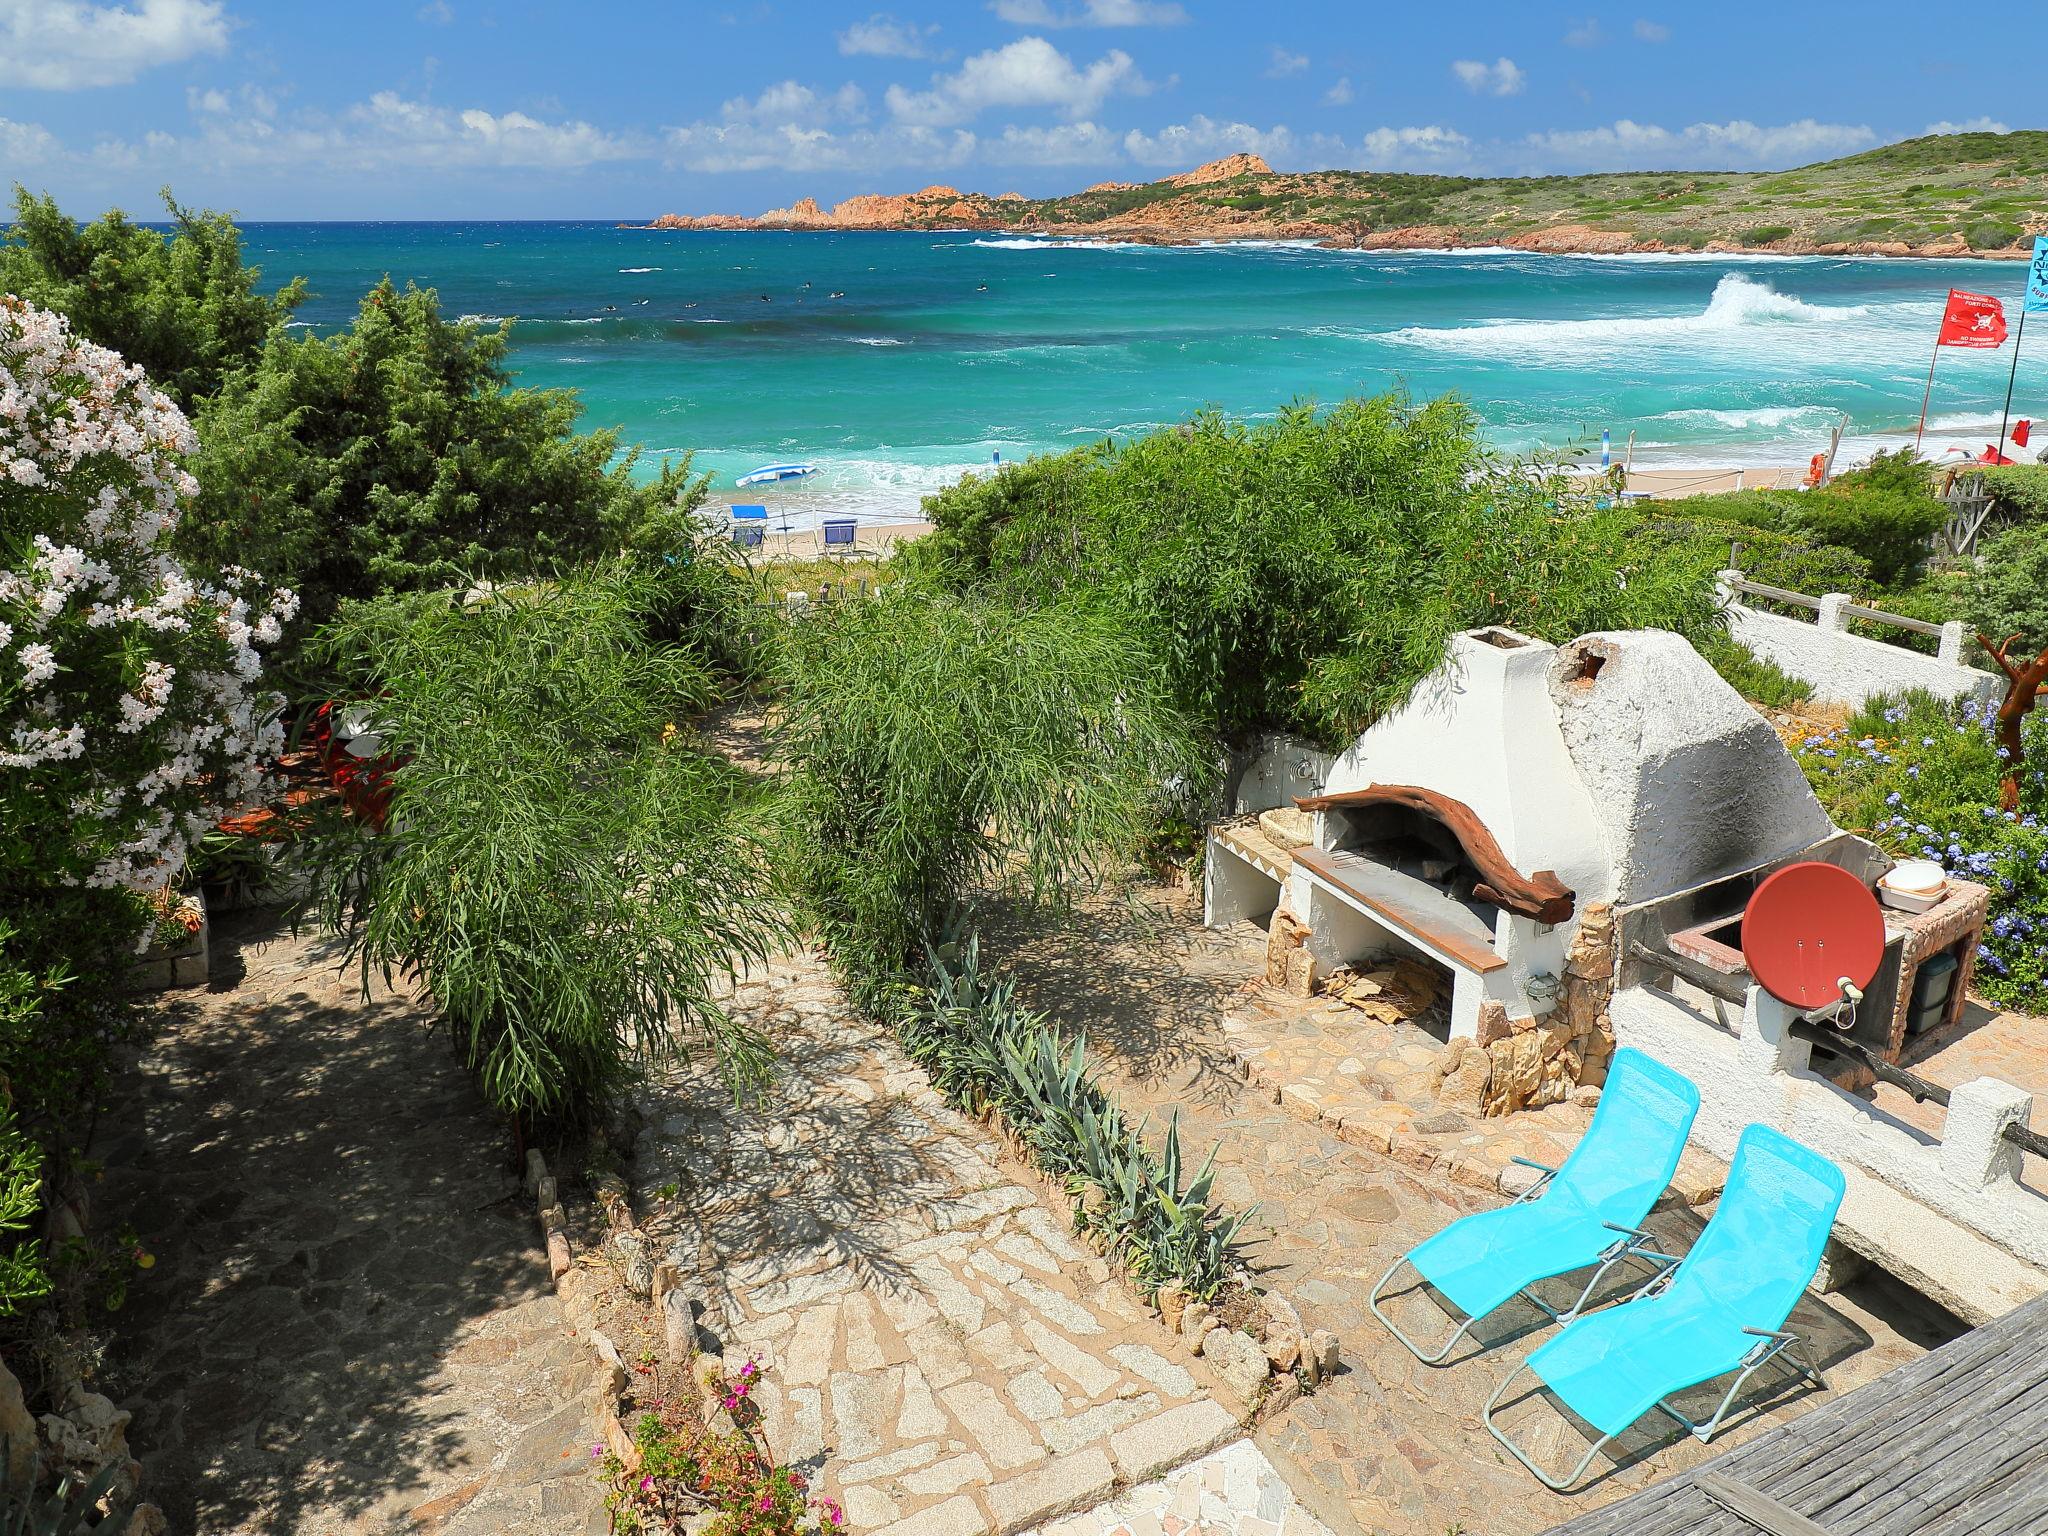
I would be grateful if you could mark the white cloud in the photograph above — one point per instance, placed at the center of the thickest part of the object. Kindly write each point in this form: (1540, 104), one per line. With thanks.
(1503, 77)
(791, 102)
(1339, 95)
(439, 12)
(1091, 13)
(1430, 147)
(882, 36)
(26, 144)
(1027, 73)
(1201, 138)
(1059, 144)
(1651, 31)
(1626, 145)
(1974, 125)
(745, 146)
(1285, 63)
(214, 102)
(388, 134)
(1586, 34)
(65, 45)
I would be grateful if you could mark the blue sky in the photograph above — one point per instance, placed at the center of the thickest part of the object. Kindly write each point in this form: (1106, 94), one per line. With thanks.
(493, 108)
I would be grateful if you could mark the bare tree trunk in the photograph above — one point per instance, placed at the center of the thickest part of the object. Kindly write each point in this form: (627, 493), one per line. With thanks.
(2022, 688)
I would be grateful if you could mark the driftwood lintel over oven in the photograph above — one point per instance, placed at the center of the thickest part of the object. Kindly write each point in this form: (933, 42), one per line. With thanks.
(1541, 895)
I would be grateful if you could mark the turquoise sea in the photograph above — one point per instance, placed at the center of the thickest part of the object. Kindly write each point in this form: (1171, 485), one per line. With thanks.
(898, 362)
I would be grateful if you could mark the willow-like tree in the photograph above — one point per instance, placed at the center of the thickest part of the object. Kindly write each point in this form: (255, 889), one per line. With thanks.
(565, 875)
(939, 744)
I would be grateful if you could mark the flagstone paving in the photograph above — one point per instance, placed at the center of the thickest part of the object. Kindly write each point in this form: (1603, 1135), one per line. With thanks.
(940, 1353)
(1232, 1492)
(1390, 1447)
(348, 1329)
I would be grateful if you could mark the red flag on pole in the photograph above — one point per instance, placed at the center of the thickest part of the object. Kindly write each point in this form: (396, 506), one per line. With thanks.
(1971, 320)
(2020, 431)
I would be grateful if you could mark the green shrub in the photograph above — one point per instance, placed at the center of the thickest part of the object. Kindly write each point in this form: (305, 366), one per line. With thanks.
(2006, 592)
(2019, 490)
(1761, 681)
(1305, 572)
(181, 306)
(1884, 513)
(395, 457)
(1992, 234)
(1920, 776)
(935, 743)
(1765, 234)
(567, 877)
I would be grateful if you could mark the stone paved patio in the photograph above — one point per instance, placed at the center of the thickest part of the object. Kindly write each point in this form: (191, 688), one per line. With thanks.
(349, 1327)
(1390, 1447)
(1232, 1492)
(939, 1350)
(2011, 1046)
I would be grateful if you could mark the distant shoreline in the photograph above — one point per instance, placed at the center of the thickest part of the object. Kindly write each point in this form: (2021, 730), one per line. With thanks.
(1419, 241)
(1849, 207)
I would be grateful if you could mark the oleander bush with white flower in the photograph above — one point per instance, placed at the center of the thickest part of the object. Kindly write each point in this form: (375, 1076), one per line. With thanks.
(132, 717)
(1920, 776)
(131, 711)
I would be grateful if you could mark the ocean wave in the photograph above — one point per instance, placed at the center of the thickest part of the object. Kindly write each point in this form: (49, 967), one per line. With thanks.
(1738, 303)
(1054, 243)
(876, 341)
(639, 269)
(1756, 416)
(481, 319)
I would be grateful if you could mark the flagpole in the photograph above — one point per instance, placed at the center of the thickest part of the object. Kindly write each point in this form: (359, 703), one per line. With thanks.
(1927, 394)
(2006, 414)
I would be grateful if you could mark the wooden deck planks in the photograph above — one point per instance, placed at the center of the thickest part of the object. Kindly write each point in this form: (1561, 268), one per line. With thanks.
(1953, 1444)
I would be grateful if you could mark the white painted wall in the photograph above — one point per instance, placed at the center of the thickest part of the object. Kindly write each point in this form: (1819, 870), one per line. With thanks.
(1948, 1197)
(1845, 668)
(1687, 782)
(1481, 728)
(1277, 771)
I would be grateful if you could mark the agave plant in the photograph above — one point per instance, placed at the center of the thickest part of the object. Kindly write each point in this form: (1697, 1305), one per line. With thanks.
(68, 1511)
(982, 1047)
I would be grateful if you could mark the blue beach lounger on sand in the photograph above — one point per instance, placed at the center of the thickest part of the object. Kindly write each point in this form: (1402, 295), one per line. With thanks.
(1590, 1211)
(1723, 1309)
(839, 532)
(743, 533)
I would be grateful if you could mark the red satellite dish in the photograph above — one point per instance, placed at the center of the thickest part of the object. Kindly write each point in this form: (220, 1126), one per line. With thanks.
(1807, 927)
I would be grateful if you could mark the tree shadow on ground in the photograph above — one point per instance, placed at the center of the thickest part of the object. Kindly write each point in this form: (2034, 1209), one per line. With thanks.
(326, 1198)
(1138, 972)
(820, 1164)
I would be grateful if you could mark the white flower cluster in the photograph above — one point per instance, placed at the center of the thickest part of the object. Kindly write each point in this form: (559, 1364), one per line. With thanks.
(128, 705)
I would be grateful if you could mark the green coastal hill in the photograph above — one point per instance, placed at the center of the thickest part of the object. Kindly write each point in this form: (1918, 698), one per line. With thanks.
(1945, 194)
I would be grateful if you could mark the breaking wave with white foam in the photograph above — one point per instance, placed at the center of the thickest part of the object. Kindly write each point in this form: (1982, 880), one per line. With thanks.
(1738, 303)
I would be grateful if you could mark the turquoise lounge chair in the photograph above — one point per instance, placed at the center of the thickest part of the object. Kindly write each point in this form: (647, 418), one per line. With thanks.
(1723, 1309)
(1590, 1211)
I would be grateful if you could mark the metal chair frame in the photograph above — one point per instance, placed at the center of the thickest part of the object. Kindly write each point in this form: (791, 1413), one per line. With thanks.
(1630, 1244)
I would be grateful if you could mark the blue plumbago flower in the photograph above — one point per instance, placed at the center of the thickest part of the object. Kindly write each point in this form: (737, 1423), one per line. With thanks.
(1924, 830)
(1990, 811)
(1914, 770)
(1926, 741)
(1893, 798)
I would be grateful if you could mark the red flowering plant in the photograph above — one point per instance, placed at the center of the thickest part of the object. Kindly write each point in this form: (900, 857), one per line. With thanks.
(682, 1466)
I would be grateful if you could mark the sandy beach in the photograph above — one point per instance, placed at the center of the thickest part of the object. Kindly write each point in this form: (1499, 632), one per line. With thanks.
(876, 539)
